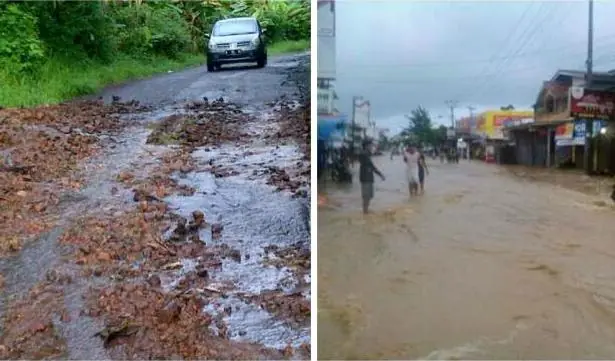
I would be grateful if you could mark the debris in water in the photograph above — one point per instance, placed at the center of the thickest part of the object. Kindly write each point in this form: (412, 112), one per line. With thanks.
(110, 333)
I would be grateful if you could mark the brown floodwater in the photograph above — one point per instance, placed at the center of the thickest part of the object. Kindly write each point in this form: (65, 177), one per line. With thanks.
(484, 265)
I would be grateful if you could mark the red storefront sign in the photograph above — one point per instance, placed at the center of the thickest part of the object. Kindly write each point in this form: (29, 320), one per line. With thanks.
(504, 120)
(564, 131)
(591, 104)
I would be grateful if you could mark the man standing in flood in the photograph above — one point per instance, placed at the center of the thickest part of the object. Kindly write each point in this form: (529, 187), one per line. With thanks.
(422, 170)
(411, 158)
(366, 176)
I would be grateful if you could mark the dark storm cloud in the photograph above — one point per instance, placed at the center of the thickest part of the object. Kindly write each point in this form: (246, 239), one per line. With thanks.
(401, 54)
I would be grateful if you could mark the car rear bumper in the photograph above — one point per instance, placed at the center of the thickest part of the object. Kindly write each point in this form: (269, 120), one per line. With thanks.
(233, 56)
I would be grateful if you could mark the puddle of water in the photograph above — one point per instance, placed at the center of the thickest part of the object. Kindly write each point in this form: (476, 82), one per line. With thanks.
(249, 159)
(250, 323)
(253, 217)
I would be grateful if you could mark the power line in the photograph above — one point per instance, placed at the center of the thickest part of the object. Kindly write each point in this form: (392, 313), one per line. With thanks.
(539, 25)
(571, 47)
(527, 70)
(527, 36)
(508, 39)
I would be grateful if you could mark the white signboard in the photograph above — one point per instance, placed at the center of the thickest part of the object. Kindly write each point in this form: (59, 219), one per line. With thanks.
(326, 40)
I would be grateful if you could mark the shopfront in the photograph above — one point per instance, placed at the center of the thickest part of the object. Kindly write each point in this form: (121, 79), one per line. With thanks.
(593, 111)
(570, 140)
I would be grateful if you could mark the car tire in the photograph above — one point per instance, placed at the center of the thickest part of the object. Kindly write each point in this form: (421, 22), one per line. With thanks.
(262, 61)
(211, 67)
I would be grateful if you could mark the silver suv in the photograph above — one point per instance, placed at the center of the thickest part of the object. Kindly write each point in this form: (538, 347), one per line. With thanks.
(237, 40)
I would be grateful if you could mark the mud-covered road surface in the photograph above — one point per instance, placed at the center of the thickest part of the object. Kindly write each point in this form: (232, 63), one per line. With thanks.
(490, 263)
(169, 219)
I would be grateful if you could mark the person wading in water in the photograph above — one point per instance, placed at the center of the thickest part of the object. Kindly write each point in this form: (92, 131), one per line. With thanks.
(366, 176)
(422, 171)
(411, 158)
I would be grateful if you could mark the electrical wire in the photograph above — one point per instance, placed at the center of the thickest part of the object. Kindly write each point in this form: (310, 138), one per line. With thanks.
(527, 35)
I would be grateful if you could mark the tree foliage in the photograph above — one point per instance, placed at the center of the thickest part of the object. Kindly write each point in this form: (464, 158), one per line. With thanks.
(105, 30)
(421, 130)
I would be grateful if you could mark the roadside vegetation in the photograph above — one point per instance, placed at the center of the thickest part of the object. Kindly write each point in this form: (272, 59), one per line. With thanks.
(51, 51)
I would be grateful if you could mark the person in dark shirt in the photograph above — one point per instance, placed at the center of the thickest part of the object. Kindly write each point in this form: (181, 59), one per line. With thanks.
(366, 176)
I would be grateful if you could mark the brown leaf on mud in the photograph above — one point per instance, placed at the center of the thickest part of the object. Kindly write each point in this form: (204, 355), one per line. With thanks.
(116, 241)
(295, 123)
(125, 177)
(294, 307)
(206, 124)
(297, 257)
(40, 150)
(171, 325)
(28, 330)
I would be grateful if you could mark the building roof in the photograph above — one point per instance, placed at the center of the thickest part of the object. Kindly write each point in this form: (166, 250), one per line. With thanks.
(536, 124)
(562, 74)
(562, 80)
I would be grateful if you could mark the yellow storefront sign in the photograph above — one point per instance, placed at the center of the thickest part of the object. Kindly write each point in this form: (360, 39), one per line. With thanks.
(491, 123)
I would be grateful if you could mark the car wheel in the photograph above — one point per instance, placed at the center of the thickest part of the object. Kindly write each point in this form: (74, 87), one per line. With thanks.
(262, 61)
(211, 67)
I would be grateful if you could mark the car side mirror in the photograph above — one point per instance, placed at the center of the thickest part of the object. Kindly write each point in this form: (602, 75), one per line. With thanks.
(263, 31)
(207, 36)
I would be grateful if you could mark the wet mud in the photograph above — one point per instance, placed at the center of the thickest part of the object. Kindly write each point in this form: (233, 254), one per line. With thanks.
(141, 231)
(486, 265)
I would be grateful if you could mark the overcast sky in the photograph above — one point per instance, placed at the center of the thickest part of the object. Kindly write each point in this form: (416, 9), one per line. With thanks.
(485, 54)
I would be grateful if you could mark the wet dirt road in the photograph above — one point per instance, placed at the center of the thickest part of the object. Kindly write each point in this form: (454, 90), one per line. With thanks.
(485, 265)
(119, 253)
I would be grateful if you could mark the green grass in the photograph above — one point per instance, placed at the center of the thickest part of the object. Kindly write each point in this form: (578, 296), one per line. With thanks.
(288, 46)
(62, 80)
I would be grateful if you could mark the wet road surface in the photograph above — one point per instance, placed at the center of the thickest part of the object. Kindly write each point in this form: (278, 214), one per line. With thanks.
(252, 213)
(485, 265)
(239, 84)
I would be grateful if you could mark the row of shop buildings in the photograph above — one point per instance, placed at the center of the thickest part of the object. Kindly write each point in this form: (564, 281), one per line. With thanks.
(571, 126)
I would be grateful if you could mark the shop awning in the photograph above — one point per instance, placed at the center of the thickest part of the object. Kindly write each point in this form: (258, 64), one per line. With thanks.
(330, 126)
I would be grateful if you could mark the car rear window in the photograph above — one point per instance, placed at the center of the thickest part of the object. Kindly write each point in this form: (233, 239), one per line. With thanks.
(235, 27)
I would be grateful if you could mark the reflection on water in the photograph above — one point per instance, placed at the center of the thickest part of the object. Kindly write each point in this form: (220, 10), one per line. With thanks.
(485, 265)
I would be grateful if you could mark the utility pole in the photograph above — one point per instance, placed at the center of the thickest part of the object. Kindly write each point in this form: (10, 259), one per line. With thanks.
(471, 109)
(452, 104)
(590, 44)
(588, 84)
(354, 124)
(471, 125)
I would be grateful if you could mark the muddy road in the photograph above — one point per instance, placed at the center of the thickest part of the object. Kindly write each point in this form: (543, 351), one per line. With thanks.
(488, 264)
(169, 219)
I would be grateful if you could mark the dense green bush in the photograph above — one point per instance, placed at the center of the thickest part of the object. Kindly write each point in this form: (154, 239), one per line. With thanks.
(143, 30)
(75, 29)
(21, 50)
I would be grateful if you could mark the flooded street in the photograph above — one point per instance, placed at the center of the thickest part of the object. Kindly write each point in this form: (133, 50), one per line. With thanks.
(485, 265)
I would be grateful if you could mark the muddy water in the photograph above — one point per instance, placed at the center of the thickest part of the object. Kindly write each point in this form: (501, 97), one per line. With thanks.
(483, 266)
